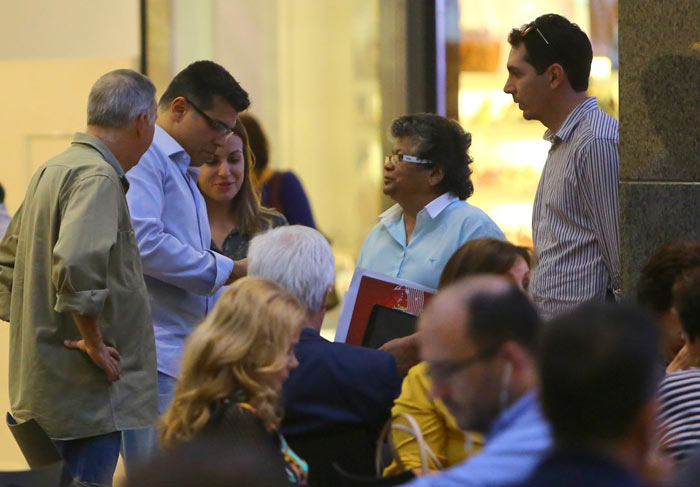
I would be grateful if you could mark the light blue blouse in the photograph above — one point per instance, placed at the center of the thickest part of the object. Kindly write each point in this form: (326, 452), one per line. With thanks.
(441, 228)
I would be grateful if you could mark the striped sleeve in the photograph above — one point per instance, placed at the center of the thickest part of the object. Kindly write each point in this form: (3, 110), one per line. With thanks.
(598, 175)
(679, 417)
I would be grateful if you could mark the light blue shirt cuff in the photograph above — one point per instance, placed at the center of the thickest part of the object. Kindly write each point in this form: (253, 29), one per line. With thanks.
(224, 267)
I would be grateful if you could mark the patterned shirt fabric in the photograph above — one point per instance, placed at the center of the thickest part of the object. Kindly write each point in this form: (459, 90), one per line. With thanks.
(518, 440)
(71, 249)
(441, 228)
(679, 418)
(172, 230)
(575, 220)
(236, 243)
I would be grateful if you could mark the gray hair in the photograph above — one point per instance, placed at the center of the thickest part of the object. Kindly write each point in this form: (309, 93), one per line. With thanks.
(119, 97)
(296, 257)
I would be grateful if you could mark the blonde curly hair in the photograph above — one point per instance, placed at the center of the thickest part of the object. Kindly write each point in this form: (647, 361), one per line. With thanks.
(241, 345)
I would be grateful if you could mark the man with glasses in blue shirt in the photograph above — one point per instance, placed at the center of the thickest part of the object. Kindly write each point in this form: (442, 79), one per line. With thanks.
(196, 115)
(478, 338)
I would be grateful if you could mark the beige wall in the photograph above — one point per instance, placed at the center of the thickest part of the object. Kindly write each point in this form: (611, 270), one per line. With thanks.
(40, 29)
(311, 69)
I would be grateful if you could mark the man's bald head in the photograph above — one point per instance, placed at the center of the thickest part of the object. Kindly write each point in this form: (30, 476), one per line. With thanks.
(489, 309)
(478, 337)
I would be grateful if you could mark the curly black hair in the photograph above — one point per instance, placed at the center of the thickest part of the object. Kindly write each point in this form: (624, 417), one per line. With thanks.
(445, 143)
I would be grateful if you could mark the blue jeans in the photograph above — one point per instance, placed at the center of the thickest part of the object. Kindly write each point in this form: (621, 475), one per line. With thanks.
(92, 459)
(138, 445)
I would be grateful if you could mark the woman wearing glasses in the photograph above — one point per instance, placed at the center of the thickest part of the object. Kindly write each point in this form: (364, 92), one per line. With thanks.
(427, 175)
(233, 206)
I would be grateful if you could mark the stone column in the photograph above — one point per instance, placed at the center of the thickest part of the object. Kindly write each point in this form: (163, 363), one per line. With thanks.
(659, 128)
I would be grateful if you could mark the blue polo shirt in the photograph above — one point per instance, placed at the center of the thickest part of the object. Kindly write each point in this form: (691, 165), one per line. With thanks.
(441, 228)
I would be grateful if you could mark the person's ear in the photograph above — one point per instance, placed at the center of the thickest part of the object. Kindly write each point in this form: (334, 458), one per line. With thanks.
(555, 75)
(437, 174)
(143, 125)
(178, 109)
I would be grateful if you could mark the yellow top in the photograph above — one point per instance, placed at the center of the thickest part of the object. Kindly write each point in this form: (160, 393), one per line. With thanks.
(438, 426)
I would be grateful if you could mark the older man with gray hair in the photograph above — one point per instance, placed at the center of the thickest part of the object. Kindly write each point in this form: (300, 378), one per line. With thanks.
(82, 352)
(337, 387)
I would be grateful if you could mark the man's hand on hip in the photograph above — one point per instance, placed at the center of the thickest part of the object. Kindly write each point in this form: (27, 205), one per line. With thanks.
(106, 358)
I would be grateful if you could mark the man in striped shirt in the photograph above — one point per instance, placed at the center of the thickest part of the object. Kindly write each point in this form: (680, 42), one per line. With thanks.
(575, 217)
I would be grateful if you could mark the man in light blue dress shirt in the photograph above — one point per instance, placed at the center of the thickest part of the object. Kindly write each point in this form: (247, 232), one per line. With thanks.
(478, 338)
(196, 114)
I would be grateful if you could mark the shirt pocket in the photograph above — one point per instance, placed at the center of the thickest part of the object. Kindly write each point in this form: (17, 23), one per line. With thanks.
(127, 261)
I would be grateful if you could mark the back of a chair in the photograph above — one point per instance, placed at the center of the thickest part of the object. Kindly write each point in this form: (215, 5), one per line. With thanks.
(36, 446)
(46, 476)
(345, 479)
(352, 449)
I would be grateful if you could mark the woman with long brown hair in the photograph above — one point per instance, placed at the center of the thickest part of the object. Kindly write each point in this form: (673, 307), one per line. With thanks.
(233, 204)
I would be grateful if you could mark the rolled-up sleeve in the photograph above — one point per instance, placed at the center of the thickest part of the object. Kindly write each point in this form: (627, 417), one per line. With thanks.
(164, 256)
(87, 233)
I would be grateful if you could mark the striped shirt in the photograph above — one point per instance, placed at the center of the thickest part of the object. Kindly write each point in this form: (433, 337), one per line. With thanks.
(575, 220)
(679, 417)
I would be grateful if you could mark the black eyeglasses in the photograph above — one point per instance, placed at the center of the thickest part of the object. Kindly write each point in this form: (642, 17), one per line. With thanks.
(446, 369)
(533, 26)
(216, 125)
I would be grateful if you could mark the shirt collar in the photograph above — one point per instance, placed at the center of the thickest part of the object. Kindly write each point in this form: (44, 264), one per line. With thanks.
(433, 209)
(172, 148)
(89, 140)
(572, 120)
(511, 415)
(308, 332)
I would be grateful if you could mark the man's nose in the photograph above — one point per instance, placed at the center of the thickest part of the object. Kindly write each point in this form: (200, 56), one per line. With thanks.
(507, 87)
